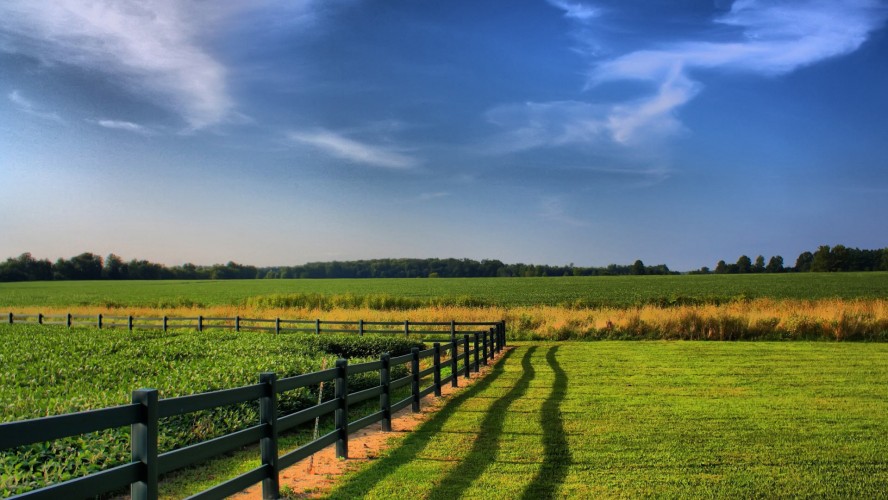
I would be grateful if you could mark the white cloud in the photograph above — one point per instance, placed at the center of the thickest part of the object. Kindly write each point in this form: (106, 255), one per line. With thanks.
(339, 146)
(25, 105)
(123, 125)
(149, 46)
(773, 38)
(576, 10)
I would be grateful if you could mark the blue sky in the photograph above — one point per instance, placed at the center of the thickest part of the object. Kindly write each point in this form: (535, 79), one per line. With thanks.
(543, 131)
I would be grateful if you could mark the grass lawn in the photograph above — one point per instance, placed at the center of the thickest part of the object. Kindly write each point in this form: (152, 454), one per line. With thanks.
(664, 419)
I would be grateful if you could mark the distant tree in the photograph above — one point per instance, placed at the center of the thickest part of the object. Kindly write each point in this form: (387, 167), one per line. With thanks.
(884, 262)
(114, 268)
(721, 267)
(803, 263)
(822, 261)
(744, 265)
(759, 266)
(637, 268)
(775, 265)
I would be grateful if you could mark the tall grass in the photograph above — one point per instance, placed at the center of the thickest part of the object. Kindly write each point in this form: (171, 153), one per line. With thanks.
(757, 319)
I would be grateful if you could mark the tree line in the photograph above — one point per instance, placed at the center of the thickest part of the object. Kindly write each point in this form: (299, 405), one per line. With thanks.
(89, 266)
(826, 259)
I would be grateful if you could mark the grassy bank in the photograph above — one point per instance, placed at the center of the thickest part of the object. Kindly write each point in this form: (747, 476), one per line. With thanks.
(662, 419)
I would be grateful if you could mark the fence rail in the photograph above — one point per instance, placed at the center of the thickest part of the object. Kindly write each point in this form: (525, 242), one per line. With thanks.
(143, 415)
(449, 330)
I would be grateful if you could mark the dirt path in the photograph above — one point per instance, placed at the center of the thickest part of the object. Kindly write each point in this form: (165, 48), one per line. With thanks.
(305, 479)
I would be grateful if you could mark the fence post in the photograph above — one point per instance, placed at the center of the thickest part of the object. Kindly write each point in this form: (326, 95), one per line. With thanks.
(414, 386)
(341, 394)
(492, 334)
(466, 355)
(385, 404)
(477, 348)
(406, 328)
(484, 352)
(268, 444)
(143, 442)
(277, 325)
(437, 374)
(11, 318)
(39, 318)
(318, 326)
(361, 327)
(200, 323)
(165, 323)
(69, 320)
(129, 323)
(237, 323)
(99, 321)
(452, 330)
(454, 363)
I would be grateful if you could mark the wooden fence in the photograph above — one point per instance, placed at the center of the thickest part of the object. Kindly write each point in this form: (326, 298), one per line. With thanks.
(466, 353)
(448, 330)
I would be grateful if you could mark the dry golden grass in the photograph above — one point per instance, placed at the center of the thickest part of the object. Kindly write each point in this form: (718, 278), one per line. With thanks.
(833, 319)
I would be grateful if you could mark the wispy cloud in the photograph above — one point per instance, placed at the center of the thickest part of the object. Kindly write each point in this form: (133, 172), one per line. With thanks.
(148, 46)
(552, 209)
(579, 11)
(432, 196)
(27, 106)
(772, 38)
(123, 125)
(339, 146)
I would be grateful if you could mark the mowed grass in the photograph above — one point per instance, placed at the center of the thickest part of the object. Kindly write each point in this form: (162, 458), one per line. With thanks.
(612, 291)
(653, 419)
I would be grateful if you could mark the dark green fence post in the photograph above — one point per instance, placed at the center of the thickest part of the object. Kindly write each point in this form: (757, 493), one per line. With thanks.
(452, 330)
(237, 323)
(341, 394)
(99, 322)
(385, 402)
(477, 353)
(361, 327)
(11, 318)
(129, 323)
(437, 373)
(454, 363)
(277, 325)
(69, 320)
(39, 318)
(484, 353)
(466, 355)
(200, 323)
(143, 442)
(165, 323)
(414, 386)
(492, 334)
(268, 444)
(406, 328)
(318, 326)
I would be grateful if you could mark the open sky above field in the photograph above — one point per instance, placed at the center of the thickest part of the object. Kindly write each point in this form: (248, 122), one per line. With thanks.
(543, 131)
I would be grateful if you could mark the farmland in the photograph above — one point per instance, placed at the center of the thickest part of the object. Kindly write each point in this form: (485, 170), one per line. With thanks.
(574, 292)
(653, 419)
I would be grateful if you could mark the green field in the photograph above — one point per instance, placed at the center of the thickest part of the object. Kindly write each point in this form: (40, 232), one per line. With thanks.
(653, 419)
(619, 291)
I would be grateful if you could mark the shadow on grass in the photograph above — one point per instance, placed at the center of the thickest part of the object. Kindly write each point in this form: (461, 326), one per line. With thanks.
(557, 457)
(487, 444)
(359, 484)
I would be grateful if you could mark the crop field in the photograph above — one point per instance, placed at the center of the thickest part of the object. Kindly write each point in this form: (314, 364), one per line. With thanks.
(574, 292)
(653, 419)
(50, 371)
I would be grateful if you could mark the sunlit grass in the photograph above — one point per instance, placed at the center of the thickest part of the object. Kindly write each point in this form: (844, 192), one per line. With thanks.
(664, 419)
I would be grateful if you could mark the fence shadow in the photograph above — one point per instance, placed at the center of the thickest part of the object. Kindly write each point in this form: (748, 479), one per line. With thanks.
(487, 444)
(361, 483)
(556, 456)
